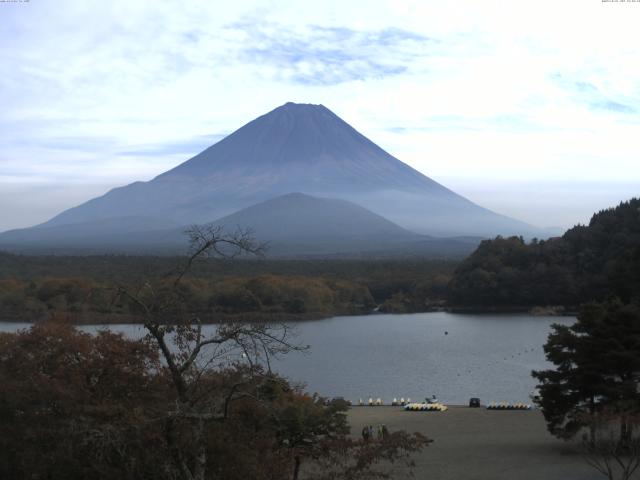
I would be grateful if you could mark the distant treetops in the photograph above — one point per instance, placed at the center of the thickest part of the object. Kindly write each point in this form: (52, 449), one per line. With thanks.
(588, 263)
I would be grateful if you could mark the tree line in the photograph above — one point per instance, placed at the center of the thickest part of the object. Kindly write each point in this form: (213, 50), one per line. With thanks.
(218, 289)
(588, 263)
(86, 300)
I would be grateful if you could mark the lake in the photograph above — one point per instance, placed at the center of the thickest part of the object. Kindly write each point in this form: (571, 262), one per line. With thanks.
(452, 356)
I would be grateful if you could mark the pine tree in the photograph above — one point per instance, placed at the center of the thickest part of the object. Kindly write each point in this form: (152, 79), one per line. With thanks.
(597, 367)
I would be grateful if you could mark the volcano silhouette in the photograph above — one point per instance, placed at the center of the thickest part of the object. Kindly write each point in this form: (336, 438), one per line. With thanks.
(294, 148)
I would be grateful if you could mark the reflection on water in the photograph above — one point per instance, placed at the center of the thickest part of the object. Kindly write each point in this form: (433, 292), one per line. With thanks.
(452, 356)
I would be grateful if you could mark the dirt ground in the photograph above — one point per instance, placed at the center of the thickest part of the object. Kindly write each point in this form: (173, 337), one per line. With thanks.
(480, 444)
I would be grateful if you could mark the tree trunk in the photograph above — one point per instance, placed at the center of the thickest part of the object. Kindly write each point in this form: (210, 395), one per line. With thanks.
(296, 468)
(624, 432)
(592, 434)
(176, 454)
(592, 424)
(200, 454)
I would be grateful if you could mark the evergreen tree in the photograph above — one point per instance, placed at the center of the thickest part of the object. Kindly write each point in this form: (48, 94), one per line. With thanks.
(597, 364)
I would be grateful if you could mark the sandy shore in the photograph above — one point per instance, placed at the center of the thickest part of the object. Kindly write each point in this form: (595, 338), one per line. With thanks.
(480, 444)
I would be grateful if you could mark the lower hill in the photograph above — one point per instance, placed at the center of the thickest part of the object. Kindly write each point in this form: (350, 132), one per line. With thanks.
(293, 225)
(588, 263)
(301, 225)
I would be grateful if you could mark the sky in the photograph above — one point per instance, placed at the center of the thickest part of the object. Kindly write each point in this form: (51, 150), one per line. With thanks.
(529, 108)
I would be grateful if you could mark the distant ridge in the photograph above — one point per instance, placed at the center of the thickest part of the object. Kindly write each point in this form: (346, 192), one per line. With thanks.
(293, 225)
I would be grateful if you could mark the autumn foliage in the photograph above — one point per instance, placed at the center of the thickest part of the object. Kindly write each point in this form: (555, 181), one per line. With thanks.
(77, 406)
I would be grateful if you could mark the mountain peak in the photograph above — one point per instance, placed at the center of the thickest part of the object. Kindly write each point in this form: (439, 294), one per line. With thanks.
(299, 110)
(302, 141)
(300, 106)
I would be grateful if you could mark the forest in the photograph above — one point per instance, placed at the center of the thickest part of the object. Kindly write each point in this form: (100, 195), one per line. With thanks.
(588, 263)
(35, 287)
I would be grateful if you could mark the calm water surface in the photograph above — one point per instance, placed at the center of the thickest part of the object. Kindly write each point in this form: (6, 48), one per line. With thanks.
(452, 356)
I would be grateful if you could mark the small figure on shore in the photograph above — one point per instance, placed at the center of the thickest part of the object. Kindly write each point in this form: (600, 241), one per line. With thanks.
(365, 433)
(370, 431)
(384, 431)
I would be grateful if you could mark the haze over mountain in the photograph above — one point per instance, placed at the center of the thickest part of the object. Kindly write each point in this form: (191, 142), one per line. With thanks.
(294, 148)
(299, 224)
(292, 225)
(300, 216)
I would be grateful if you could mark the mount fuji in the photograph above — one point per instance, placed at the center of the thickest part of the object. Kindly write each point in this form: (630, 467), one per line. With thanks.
(295, 148)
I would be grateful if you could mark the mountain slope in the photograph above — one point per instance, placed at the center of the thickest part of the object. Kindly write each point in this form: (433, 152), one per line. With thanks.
(299, 224)
(298, 216)
(301, 148)
(135, 234)
(293, 225)
(588, 263)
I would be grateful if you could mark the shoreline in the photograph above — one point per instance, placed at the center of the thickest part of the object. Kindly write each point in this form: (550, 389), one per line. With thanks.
(536, 310)
(266, 317)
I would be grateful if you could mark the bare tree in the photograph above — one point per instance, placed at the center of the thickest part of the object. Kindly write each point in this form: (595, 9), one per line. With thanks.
(190, 353)
(613, 448)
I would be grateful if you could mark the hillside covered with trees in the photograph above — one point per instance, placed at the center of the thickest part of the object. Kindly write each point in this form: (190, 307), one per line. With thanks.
(588, 263)
(36, 287)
